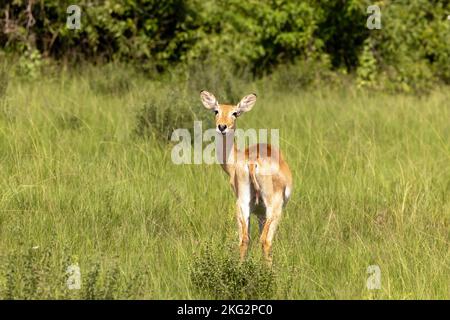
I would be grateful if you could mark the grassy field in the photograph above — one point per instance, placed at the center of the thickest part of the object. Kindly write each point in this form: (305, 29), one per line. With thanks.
(86, 178)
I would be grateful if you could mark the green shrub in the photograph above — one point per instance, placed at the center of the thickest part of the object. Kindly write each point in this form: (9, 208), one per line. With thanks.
(30, 64)
(28, 275)
(411, 50)
(159, 117)
(217, 274)
(367, 72)
(42, 274)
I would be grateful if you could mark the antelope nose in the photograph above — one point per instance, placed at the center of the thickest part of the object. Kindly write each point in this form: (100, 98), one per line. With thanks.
(222, 127)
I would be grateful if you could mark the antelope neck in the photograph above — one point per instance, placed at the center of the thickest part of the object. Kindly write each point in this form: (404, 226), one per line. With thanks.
(228, 148)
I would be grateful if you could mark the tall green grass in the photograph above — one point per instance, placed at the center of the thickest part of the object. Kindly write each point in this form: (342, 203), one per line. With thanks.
(81, 184)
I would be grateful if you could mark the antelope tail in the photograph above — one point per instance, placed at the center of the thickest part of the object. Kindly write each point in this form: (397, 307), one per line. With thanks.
(251, 170)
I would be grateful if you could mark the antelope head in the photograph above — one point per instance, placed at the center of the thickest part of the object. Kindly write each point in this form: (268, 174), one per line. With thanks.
(227, 114)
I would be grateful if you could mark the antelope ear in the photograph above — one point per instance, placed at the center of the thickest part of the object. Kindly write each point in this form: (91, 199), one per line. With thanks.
(247, 103)
(208, 100)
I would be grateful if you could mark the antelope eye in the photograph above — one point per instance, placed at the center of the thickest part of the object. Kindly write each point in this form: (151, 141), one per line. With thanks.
(216, 112)
(235, 114)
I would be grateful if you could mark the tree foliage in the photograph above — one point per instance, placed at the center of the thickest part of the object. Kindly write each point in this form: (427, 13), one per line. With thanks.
(411, 49)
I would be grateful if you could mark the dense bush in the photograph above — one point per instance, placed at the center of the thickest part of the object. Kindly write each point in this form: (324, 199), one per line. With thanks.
(109, 29)
(410, 51)
(43, 274)
(221, 276)
(161, 115)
